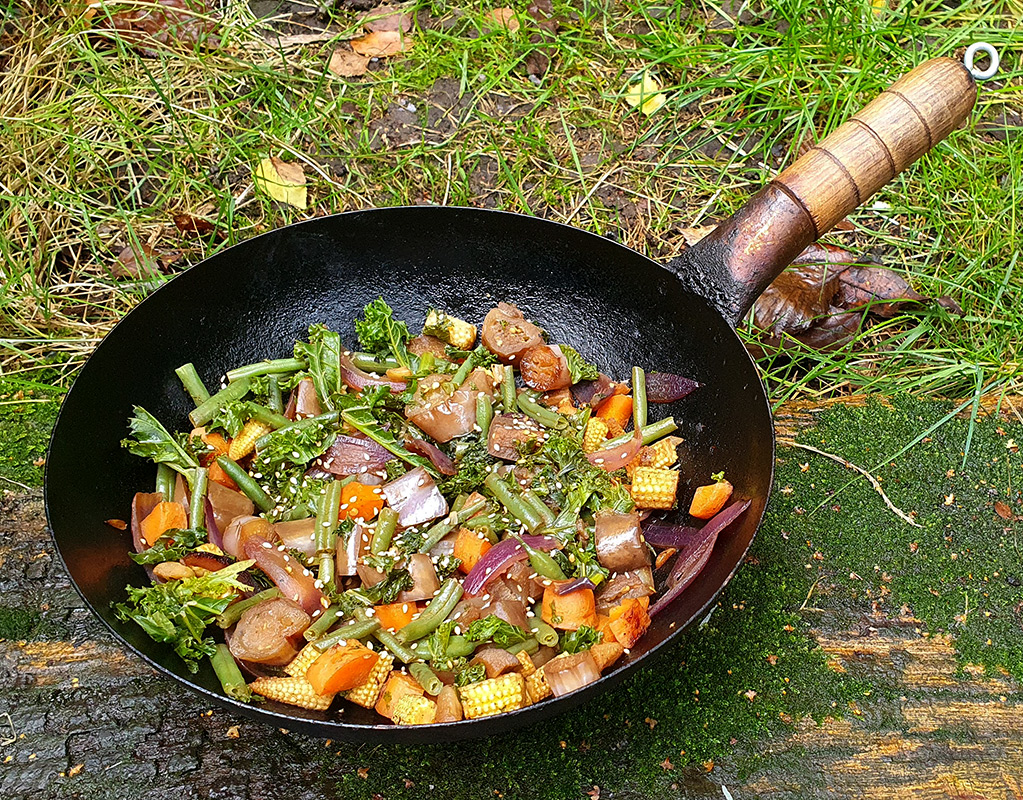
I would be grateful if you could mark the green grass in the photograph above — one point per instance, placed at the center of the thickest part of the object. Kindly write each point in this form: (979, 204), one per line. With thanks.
(106, 146)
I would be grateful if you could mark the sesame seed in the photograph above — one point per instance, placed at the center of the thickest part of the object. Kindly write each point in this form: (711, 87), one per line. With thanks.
(267, 545)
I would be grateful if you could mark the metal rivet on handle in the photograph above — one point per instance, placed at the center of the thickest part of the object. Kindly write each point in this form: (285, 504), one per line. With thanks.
(990, 52)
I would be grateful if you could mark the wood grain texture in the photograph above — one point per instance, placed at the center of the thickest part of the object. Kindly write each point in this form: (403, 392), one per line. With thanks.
(908, 119)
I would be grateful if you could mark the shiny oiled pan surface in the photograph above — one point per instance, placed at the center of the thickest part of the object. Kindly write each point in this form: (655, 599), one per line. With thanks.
(252, 301)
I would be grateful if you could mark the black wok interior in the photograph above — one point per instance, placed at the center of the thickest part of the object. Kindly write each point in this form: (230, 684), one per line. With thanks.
(252, 301)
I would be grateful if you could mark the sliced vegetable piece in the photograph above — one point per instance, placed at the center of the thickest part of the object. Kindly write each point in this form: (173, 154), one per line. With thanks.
(165, 516)
(568, 673)
(569, 612)
(710, 499)
(342, 667)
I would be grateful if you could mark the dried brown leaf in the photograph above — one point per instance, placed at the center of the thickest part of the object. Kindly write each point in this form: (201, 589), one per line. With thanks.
(537, 62)
(502, 18)
(186, 223)
(347, 63)
(172, 23)
(1003, 510)
(388, 17)
(132, 264)
(382, 43)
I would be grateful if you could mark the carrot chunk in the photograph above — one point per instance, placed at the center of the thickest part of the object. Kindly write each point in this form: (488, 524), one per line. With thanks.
(617, 407)
(342, 667)
(164, 517)
(394, 616)
(571, 611)
(398, 685)
(470, 547)
(361, 501)
(709, 500)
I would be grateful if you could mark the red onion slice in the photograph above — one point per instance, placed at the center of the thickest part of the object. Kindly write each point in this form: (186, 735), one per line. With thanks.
(680, 536)
(212, 529)
(617, 457)
(307, 403)
(694, 552)
(590, 393)
(142, 506)
(355, 378)
(572, 585)
(666, 387)
(415, 497)
(501, 556)
(352, 455)
(437, 457)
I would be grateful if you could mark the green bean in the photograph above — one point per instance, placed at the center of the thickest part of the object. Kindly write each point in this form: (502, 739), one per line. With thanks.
(387, 523)
(354, 630)
(165, 480)
(545, 416)
(397, 647)
(442, 604)
(544, 633)
(482, 521)
(274, 399)
(530, 645)
(460, 647)
(441, 529)
(246, 483)
(326, 531)
(651, 433)
(508, 389)
(541, 562)
(639, 405)
(197, 499)
(230, 615)
(459, 502)
(484, 414)
(426, 678)
(322, 624)
(368, 363)
(204, 412)
(539, 506)
(471, 362)
(327, 419)
(268, 416)
(517, 507)
(193, 383)
(231, 679)
(272, 367)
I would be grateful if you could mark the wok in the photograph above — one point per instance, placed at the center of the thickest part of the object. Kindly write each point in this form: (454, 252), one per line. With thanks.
(614, 305)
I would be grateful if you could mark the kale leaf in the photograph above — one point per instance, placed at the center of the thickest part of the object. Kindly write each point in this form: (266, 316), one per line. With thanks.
(177, 612)
(581, 369)
(171, 546)
(149, 439)
(323, 354)
(494, 629)
(382, 335)
(473, 463)
(578, 640)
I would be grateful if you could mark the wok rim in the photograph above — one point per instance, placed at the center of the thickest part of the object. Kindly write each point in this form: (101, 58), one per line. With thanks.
(448, 731)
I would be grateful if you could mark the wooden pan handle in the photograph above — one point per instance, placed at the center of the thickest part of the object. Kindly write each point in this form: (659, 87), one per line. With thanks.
(733, 265)
(904, 122)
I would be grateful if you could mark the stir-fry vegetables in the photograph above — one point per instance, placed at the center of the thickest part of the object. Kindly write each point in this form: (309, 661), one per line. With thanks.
(434, 528)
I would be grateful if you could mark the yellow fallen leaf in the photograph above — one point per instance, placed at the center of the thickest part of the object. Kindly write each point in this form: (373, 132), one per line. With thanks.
(503, 18)
(382, 43)
(646, 94)
(284, 182)
(347, 64)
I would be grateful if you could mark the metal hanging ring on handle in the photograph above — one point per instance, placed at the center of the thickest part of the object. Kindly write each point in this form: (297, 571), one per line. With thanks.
(985, 49)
